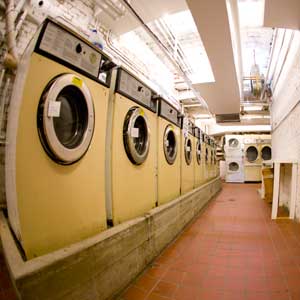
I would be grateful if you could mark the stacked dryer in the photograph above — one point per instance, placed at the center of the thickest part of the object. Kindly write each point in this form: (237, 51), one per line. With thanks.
(234, 156)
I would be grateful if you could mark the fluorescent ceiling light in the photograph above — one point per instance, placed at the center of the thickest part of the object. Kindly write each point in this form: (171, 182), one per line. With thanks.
(251, 13)
(185, 30)
(250, 117)
(252, 108)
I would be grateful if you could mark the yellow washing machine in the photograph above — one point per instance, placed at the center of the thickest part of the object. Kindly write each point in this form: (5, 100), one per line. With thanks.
(134, 149)
(214, 159)
(252, 159)
(187, 157)
(203, 157)
(168, 143)
(210, 158)
(198, 158)
(206, 157)
(55, 153)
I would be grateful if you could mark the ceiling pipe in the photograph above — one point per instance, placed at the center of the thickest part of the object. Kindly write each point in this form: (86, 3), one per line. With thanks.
(11, 58)
(165, 51)
(284, 60)
(112, 7)
(128, 62)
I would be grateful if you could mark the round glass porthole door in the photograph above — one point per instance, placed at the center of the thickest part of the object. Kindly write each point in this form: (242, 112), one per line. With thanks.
(136, 135)
(188, 150)
(198, 152)
(266, 153)
(206, 155)
(170, 145)
(233, 167)
(251, 154)
(233, 143)
(66, 119)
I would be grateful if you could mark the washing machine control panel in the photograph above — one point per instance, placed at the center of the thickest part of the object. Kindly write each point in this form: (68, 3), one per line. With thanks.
(197, 132)
(169, 112)
(63, 45)
(191, 127)
(131, 87)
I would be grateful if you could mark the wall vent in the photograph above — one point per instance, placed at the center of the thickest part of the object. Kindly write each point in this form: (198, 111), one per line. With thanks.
(228, 118)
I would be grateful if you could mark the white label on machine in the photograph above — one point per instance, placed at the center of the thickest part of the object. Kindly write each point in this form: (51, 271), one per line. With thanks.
(54, 109)
(188, 149)
(198, 152)
(167, 143)
(135, 132)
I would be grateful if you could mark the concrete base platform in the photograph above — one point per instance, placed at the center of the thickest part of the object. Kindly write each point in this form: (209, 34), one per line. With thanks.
(102, 266)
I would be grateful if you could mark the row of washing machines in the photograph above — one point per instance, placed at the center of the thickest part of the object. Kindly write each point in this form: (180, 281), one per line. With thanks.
(244, 156)
(90, 146)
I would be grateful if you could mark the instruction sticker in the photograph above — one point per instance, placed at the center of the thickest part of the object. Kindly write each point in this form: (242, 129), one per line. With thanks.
(77, 81)
(188, 149)
(135, 132)
(142, 112)
(54, 109)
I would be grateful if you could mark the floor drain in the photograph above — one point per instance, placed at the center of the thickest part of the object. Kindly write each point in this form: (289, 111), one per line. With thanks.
(231, 199)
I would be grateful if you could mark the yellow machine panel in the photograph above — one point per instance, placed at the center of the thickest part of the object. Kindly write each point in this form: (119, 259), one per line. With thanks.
(187, 164)
(198, 158)
(168, 174)
(209, 162)
(57, 204)
(133, 186)
(203, 163)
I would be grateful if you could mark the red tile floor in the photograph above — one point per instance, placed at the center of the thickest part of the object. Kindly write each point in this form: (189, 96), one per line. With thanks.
(231, 251)
(6, 288)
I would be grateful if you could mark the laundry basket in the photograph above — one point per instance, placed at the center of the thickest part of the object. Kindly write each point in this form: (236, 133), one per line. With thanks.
(267, 182)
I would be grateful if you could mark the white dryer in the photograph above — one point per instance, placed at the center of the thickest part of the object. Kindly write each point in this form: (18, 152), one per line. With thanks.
(235, 170)
(234, 145)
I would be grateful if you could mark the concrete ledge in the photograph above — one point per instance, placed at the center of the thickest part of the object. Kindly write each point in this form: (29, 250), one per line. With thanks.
(102, 266)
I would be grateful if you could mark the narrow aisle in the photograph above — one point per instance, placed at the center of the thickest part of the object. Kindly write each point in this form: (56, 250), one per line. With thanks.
(232, 251)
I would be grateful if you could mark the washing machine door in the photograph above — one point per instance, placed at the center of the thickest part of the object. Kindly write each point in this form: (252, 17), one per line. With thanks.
(198, 152)
(188, 150)
(266, 153)
(66, 119)
(170, 145)
(136, 135)
(233, 143)
(206, 155)
(233, 167)
(251, 154)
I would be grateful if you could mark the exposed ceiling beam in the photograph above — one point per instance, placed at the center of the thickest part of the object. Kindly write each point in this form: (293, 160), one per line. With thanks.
(211, 19)
(282, 14)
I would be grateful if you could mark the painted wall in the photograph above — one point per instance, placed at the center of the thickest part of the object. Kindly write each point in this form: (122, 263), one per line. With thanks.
(285, 108)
